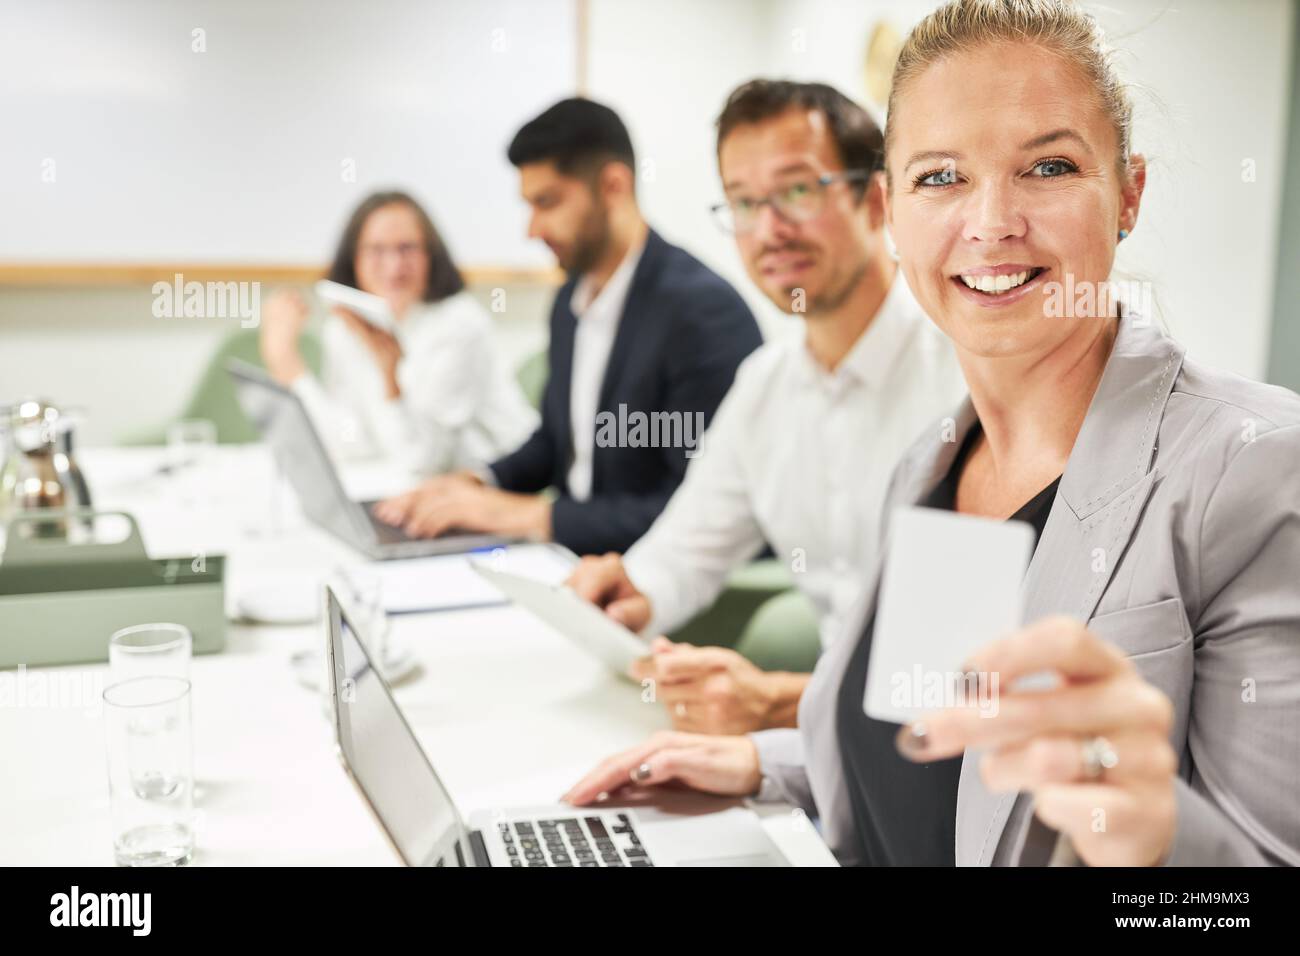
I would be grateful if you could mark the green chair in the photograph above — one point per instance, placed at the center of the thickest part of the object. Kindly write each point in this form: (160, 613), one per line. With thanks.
(783, 634)
(531, 375)
(761, 616)
(214, 398)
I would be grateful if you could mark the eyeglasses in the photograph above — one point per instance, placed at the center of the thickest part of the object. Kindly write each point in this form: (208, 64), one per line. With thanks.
(798, 201)
(378, 251)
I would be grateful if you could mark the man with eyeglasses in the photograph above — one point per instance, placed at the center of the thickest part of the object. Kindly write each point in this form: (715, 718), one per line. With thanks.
(645, 341)
(802, 447)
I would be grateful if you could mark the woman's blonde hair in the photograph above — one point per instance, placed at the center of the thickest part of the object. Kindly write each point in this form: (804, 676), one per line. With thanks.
(1055, 25)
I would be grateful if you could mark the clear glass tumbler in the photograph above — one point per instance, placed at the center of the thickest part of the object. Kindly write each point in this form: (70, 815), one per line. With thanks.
(363, 589)
(150, 650)
(190, 447)
(150, 770)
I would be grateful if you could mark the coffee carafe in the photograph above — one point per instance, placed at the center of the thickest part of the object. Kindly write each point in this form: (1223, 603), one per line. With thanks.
(39, 469)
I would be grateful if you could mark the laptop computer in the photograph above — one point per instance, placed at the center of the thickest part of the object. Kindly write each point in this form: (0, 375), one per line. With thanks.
(424, 827)
(281, 419)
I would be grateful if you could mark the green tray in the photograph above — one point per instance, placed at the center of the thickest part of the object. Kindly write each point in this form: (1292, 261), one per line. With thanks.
(61, 599)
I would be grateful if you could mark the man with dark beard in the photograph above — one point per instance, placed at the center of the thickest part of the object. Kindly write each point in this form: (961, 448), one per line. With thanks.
(645, 341)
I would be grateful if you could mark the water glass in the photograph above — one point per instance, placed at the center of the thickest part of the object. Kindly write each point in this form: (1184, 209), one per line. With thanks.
(190, 446)
(150, 771)
(190, 443)
(362, 590)
(150, 650)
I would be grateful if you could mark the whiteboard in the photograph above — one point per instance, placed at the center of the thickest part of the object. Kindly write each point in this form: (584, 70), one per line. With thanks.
(245, 131)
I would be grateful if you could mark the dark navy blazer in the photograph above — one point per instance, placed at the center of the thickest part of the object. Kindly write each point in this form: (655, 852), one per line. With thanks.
(683, 332)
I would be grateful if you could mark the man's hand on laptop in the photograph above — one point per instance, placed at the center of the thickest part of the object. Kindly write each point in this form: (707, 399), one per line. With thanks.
(723, 765)
(715, 690)
(461, 502)
(399, 508)
(602, 580)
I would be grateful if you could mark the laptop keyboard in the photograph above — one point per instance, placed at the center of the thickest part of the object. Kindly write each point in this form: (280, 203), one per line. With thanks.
(387, 533)
(608, 840)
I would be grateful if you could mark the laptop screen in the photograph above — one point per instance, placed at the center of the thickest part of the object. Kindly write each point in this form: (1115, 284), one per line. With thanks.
(386, 759)
(281, 419)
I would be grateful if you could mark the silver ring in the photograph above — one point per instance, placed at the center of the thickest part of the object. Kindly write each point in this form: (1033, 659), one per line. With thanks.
(1098, 757)
(680, 709)
(641, 773)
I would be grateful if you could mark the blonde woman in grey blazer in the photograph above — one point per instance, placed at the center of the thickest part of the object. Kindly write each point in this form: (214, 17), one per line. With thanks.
(1164, 590)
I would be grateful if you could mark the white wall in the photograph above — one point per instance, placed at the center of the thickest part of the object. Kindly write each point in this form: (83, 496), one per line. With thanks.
(1219, 80)
(667, 68)
(207, 130)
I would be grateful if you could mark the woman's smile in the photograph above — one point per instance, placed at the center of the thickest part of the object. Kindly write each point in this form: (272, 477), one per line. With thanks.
(998, 286)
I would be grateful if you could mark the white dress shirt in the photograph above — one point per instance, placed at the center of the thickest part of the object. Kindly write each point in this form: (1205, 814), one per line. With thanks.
(459, 406)
(800, 457)
(593, 339)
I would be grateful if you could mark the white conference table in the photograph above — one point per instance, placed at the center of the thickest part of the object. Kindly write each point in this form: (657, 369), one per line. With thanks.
(509, 712)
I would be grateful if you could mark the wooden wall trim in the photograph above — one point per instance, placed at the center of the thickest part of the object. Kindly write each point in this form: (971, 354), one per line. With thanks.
(36, 275)
(582, 41)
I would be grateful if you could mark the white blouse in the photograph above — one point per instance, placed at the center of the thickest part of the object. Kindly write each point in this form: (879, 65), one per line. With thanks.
(459, 406)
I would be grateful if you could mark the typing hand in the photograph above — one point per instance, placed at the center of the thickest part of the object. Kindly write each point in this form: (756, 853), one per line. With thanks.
(1093, 751)
(398, 509)
(723, 765)
(457, 503)
(603, 581)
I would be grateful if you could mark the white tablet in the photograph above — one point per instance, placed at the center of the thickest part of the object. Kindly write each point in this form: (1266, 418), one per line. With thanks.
(370, 308)
(580, 621)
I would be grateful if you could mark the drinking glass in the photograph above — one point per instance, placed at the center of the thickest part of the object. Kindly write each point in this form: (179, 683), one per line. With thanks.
(150, 771)
(362, 588)
(190, 445)
(150, 650)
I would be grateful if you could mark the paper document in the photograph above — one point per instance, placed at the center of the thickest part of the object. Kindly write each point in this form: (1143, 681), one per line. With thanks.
(448, 581)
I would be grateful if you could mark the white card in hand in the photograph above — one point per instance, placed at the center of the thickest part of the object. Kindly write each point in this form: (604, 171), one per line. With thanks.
(364, 305)
(951, 584)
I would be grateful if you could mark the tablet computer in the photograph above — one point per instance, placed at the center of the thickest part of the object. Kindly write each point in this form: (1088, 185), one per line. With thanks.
(577, 619)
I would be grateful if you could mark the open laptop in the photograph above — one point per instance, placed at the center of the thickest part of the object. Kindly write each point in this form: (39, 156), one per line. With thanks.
(281, 419)
(390, 769)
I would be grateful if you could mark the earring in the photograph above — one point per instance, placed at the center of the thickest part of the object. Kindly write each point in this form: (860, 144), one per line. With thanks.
(1123, 234)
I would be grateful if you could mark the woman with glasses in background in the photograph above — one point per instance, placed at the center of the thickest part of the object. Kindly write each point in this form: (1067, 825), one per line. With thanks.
(433, 397)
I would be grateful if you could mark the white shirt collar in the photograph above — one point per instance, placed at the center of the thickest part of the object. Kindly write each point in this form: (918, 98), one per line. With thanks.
(874, 355)
(609, 303)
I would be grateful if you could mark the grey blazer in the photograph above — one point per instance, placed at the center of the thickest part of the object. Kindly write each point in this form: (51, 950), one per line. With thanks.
(1175, 533)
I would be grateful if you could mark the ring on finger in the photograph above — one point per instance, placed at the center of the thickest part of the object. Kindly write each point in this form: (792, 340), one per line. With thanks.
(641, 773)
(1098, 756)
